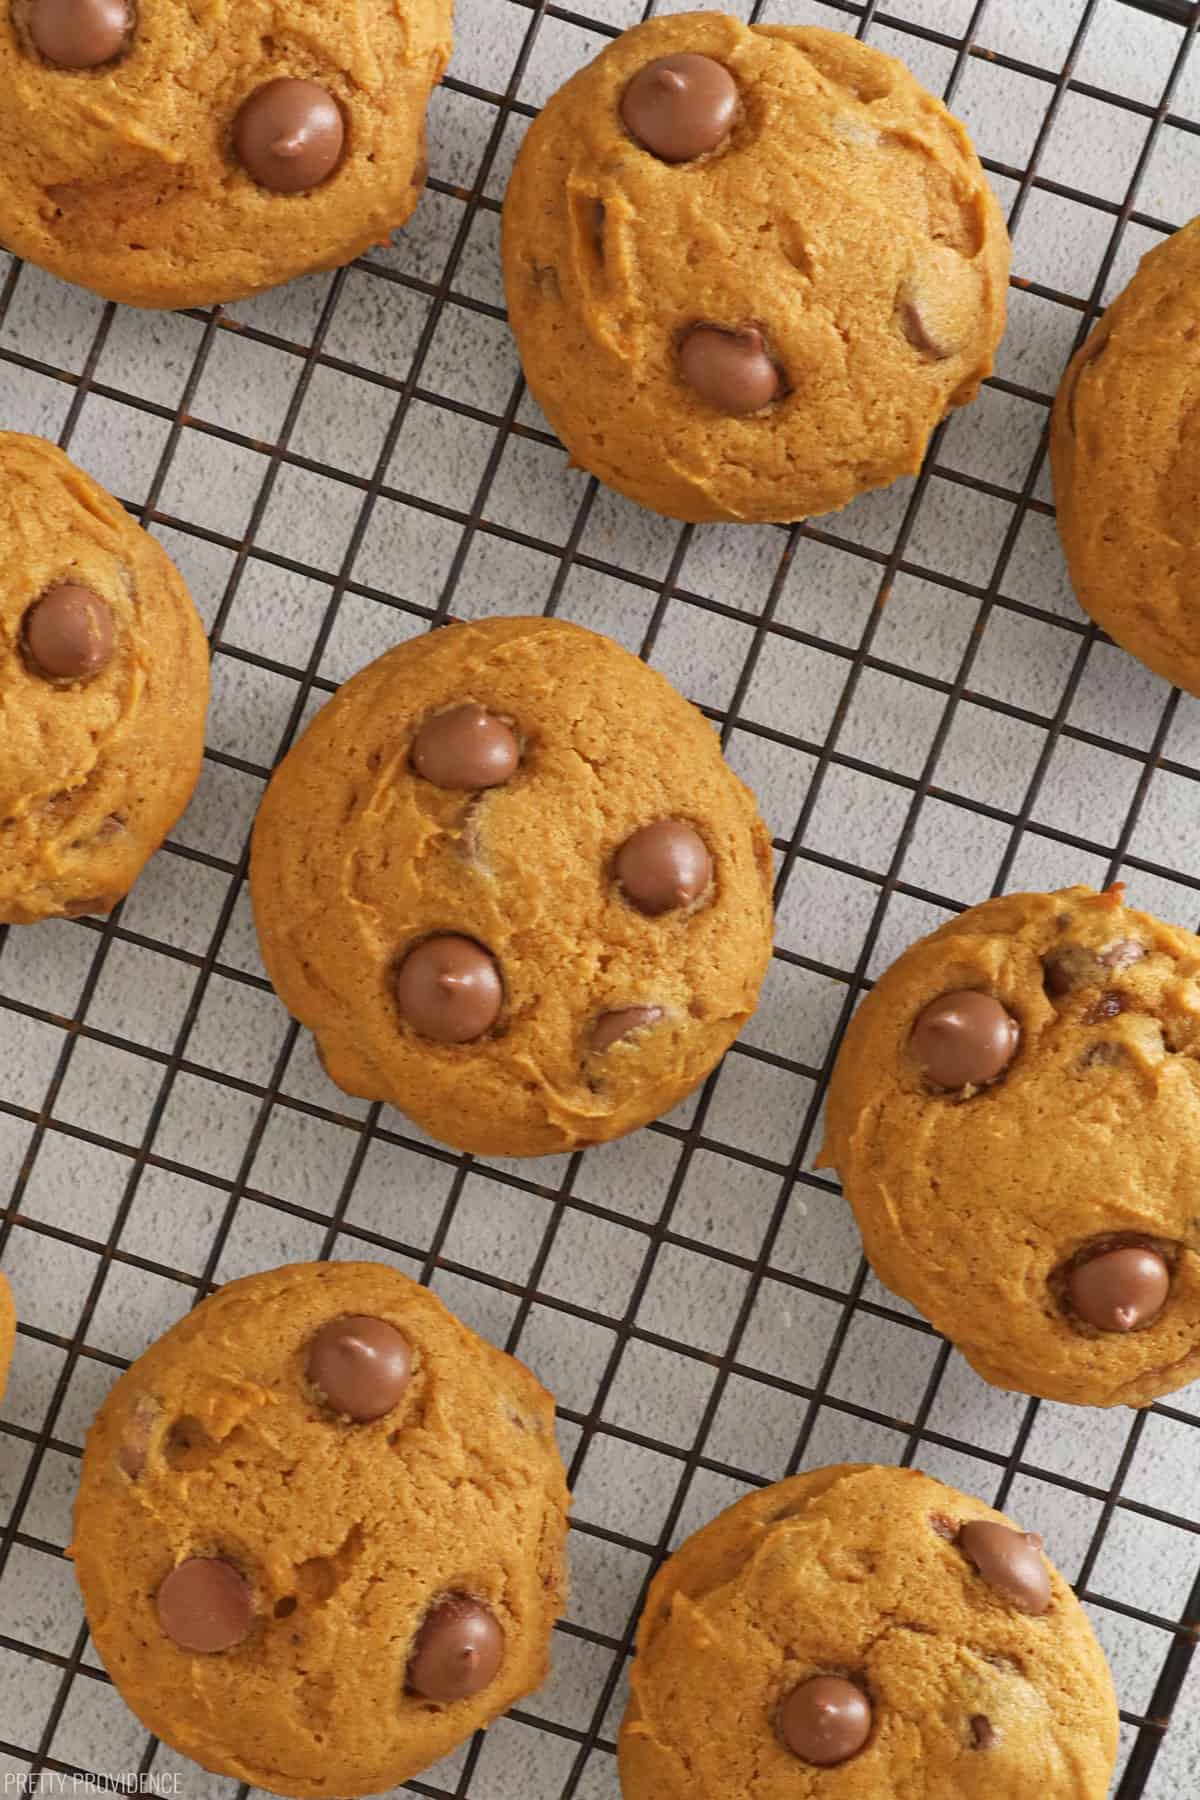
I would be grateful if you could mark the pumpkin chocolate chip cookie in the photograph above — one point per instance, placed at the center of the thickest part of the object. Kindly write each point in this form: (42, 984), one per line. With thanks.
(872, 1622)
(750, 268)
(510, 884)
(319, 1531)
(105, 688)
(176, 155)
(1125, 450)
(1015, 1117)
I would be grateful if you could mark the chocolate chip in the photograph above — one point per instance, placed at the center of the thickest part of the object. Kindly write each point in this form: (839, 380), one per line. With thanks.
(964, 1039)
(80, 34)
(825, 1721)
(1010, 1562)
(611, 1027)
(466, 747)
(729, 369)
(983, 1732)
(68, 634)
(289, 135)
(663, 866)
(916, 322)
(1119, 1289)
(1108, 1006)
(1061, 971)
(205, 1605)
(360, 1366)
(449, 989)
(458, 1651)
(680, 107)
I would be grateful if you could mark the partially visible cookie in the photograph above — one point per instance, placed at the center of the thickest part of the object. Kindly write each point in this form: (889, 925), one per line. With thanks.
(750, 268)
(1125, 450)
(1015, 1117)
(865, 1632)
(177, 154)
(509, 882)
(319, 1531)
(8, 1332)
(104, 670)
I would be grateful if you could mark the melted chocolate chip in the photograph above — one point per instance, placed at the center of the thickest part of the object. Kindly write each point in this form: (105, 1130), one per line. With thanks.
(1074, 965)
(680, 107)
(825, 1721)
(458, 1651)
(663, 866)
(205, 1605)
(730, 370)
(611, 1027)
(449, 989)
(964, 1039)
(68, 634)
(1063, 970)
(466, 747)
(80, 34)
(1119, 1289)
(928, 328)
(983, 1732)
(360, 1365)
(1010, 1562)
(289, 135)
(1108, 1006)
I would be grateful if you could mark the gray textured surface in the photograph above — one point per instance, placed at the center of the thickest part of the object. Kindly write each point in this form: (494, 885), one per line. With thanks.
(249, 1135)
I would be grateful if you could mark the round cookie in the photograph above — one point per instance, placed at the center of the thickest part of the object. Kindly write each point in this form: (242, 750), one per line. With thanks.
(8, 1332)
(177, 155)
(508, 881)
(750, 268)
(319, 1531)
(1015, 1117)
(105, 690)
(863, 1632)
(1125, 451)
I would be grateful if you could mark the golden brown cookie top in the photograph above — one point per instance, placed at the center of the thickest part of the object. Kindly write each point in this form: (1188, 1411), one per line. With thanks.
(1015, 1117)
(866, 1631)
(750, 268)
(175, 154)
(1126, 456)
(319, 1530)
(105, 688)
(511, 884)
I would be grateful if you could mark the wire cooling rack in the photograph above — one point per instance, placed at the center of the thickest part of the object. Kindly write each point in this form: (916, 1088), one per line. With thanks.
(927, 718)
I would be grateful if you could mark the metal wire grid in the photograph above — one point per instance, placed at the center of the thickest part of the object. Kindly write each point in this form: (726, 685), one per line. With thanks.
(574, 1759)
